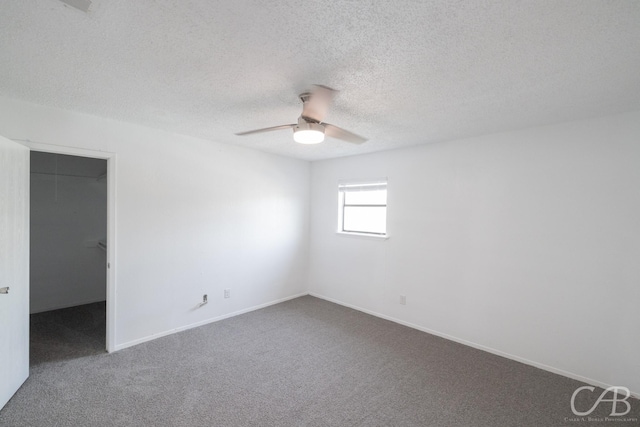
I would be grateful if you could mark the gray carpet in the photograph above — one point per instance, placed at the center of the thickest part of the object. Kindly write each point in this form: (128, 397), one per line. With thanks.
(305, 362)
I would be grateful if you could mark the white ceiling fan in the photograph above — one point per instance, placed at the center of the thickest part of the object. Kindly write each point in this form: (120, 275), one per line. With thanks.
(311, 129)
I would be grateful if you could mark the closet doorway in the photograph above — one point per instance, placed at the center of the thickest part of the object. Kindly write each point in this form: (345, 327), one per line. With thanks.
(68, 256)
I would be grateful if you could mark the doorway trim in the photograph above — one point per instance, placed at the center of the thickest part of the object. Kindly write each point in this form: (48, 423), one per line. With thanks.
(111, 223)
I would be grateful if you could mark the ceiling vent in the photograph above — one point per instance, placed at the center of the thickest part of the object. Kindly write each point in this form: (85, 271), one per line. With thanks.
(81, 5)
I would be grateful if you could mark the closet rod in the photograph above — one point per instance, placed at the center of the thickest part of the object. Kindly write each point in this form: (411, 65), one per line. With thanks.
(62, 174)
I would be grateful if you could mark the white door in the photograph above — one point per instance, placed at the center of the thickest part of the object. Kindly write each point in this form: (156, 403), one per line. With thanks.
(14, 267)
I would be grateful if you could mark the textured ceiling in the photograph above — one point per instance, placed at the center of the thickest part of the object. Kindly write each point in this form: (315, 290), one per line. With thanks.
(409, 72)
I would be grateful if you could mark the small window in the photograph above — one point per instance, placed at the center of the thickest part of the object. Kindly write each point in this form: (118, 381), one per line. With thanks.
(363, 208)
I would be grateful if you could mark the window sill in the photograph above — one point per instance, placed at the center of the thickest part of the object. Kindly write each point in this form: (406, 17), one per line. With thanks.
(363, 235)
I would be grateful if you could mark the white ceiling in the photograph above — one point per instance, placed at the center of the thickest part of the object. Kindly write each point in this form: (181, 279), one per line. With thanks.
(410, 72)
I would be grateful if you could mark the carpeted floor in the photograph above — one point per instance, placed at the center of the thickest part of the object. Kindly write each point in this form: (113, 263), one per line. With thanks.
(305, 362)
(67, 334)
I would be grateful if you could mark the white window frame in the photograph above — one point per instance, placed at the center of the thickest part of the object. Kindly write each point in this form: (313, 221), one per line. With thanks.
(343, 187)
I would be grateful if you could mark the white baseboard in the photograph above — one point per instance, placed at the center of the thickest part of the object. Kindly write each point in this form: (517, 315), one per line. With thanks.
(542, 366)
(204, 322)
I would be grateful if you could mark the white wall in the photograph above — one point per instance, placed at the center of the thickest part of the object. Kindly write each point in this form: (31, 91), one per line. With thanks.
(526, 243)
(67, 214)
(192, 217)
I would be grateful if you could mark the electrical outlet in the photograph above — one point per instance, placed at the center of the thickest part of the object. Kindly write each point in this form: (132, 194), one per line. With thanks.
(227, 293)
(403, 299)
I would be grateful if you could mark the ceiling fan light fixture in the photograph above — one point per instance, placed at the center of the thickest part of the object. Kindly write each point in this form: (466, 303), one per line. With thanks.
(308, 133)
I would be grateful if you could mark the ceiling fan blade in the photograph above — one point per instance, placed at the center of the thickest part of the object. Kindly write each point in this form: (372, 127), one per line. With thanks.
(317, 103)
(345, 135)
(249, 132)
